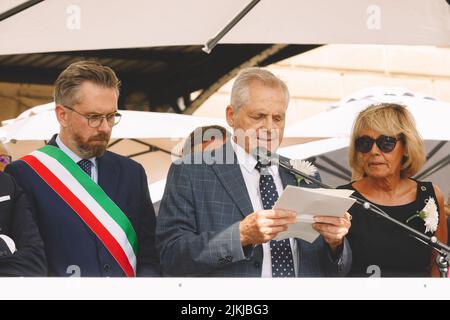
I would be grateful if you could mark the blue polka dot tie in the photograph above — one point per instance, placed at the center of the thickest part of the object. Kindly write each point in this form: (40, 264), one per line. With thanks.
(86, 165)
(280, 251)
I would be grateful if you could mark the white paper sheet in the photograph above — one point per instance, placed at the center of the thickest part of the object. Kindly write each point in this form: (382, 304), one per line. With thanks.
(308, 202)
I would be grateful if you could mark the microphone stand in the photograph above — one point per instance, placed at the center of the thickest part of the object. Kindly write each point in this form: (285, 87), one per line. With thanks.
(442, 249)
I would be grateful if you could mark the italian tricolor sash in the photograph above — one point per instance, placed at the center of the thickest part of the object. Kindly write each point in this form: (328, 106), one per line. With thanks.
(89, 201)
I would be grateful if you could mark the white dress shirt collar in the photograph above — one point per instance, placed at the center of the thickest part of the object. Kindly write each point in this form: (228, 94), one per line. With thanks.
(247, 161)
(69, 152)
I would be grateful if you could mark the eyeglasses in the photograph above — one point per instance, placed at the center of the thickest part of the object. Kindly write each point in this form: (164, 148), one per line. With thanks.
(4, 158)
(385, 143)
(95, 120)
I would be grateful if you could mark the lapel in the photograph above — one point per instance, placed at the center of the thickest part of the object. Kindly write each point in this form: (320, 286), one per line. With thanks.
(108, 175)
(52, 141)
(231, 178)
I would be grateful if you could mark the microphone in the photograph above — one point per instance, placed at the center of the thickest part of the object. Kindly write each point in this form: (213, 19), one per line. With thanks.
(266, 157)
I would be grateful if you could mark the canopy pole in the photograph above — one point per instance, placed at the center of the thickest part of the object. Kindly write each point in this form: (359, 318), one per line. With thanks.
(17, 9)
(439, 164)
(211, 43)
(332, 172)
(151, 148)
(113, 143)
(435, 149)
(336, 166)
(442, 166)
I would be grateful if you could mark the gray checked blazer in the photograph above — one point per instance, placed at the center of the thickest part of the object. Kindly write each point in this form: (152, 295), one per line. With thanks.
(197, 229)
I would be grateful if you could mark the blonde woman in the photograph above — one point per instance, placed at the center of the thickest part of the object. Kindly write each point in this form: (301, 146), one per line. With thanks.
(385, 152)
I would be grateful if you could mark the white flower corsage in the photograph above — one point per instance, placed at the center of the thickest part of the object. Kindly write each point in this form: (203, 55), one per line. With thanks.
(429, 214)
(305, 167)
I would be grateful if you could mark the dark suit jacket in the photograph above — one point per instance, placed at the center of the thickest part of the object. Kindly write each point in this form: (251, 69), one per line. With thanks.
(198, 225)
(69, 244)
(18, 223)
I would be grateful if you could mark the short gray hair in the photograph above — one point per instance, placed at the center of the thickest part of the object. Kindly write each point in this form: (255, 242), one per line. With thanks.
(240, 92)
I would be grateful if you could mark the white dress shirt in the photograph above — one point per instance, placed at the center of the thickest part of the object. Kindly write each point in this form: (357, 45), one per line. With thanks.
(251, 176)
(76, 158)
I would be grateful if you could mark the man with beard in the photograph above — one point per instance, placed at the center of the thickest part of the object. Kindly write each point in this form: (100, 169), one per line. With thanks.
(93, 206)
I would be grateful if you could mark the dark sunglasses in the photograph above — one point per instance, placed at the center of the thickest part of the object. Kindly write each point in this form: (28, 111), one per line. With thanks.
(385, 143)
(5, 158)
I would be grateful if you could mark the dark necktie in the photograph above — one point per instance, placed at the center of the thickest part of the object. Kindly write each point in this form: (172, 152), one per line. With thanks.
(86, 166)
(280, 251)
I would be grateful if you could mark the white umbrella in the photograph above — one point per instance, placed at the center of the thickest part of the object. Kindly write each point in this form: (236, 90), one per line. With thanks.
(64, 25)
(32, 111)
(39, 123)
(163, 130)
(431, 116)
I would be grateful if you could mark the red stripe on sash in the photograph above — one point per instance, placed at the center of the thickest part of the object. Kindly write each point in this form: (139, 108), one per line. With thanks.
(85, 214)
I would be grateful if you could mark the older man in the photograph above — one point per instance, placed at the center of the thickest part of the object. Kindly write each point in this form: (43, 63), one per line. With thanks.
(216, 217)
(93, 206)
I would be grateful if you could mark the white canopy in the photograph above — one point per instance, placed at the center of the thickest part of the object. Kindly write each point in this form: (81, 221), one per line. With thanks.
(65, 25)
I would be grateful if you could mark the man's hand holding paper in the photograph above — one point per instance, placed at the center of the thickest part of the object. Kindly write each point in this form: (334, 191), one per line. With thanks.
(319, 211)
(333, 229)
(264, 225)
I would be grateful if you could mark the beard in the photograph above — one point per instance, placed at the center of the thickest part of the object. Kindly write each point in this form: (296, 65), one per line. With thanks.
(94, 147)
